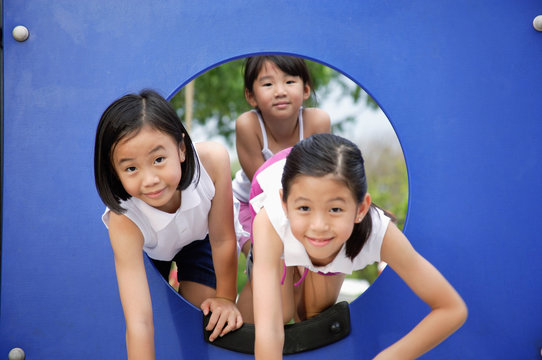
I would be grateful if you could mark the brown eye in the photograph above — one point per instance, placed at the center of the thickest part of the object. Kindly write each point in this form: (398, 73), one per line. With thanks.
(159, 160)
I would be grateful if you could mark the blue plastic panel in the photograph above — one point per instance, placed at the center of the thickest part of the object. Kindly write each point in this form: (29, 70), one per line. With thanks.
(459, 80)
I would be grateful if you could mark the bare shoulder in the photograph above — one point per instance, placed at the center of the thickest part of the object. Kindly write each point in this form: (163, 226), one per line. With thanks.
(316, 120)
(247, 125)
(124, 233)
(397, 250)
(120, 222)
(265, 235)
(214, 157)
(246, 120)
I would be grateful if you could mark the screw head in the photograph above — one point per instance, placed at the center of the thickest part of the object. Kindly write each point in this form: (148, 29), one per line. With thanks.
(335, 327)
(20, 33)
(16, 354)
(537, 23)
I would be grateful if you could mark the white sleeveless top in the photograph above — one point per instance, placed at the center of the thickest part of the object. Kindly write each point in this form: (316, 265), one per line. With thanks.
(294, 253)
(241, 182)
(166, 234)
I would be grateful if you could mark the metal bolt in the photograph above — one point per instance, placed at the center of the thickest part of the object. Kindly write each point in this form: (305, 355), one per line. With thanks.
(16, 354)
(537, 23)
(20, 33)
(335, 327)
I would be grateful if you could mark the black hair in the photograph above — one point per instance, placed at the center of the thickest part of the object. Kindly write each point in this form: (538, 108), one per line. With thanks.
(291, 65)
(125, 117)
(323, 154)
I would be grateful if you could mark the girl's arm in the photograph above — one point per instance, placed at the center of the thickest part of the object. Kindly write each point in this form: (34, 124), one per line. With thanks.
(216, 161)
(127, 243)
(448, 311)
(248, 143)
(267, 270)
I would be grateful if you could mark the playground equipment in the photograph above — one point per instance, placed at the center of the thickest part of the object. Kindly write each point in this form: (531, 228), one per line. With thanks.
(460, 81)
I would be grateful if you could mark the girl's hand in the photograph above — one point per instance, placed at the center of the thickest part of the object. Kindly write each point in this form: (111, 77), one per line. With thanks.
(225, 316)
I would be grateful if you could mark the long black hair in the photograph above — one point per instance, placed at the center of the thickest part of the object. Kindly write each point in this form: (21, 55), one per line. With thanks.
(125, 117)
(323, 154)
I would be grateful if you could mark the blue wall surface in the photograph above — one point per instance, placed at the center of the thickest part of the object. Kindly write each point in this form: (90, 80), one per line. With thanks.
(460, 81)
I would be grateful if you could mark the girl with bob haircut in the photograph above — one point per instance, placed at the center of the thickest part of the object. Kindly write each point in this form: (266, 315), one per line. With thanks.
(171, 199)
(315, 223)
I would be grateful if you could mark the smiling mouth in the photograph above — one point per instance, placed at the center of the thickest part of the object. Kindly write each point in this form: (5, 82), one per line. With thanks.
(319, 242)
(154, 194)
(281, 104)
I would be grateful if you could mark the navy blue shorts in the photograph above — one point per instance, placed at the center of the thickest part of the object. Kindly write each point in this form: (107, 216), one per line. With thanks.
(194, 263)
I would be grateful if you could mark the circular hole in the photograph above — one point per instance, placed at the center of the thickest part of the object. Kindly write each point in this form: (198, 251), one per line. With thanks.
(210, 104)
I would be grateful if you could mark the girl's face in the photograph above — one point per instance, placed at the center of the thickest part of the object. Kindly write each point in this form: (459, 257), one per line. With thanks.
(149, 167)
(322, 212)
(277, 94)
